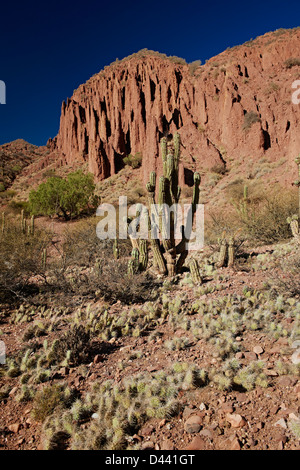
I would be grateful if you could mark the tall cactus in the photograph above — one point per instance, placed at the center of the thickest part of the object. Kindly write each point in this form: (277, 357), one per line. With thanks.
(32, 225)
(143, 255)
(195, 272)
(116, 250)
(3, 223)
(167, 256)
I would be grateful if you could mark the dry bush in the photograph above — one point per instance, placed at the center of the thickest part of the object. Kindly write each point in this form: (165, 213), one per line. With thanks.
(114, 283)
(86, 267)
(20, 260)
(76, 341)
(287, 277)
(219, 221)
(50, 398)
(265, 220)
(262, 212)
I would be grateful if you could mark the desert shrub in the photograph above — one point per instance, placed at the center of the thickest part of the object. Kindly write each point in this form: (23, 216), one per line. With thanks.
(15, 207)
(8, 194)
(47, 400)
(193, 66)
(82, 247)
(286, 278)
(220, 169)
(114, 283)
(292, 62)
(75, 345)
(219, 221)
(134, 161)
(86, 266)
(264, 219)
(20, 259)
(250, 118)
(66, 198)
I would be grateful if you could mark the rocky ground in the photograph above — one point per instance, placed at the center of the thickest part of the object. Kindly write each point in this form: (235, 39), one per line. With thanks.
(231, 331)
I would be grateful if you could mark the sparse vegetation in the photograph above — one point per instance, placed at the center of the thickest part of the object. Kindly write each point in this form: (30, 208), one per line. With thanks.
(250, 118)
(292, 62)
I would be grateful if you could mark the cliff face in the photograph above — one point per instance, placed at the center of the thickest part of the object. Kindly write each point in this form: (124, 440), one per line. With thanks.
(235, 108)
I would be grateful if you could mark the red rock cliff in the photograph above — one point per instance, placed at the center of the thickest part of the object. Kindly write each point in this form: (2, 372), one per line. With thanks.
(236, 107)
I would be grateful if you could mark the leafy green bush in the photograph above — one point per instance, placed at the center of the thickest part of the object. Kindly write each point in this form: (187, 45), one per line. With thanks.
(66, 198)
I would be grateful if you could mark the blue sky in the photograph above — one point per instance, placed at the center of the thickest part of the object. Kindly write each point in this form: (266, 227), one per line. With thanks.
(48, 49)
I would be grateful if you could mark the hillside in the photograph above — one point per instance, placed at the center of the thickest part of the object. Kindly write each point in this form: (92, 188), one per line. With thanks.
(144, 345)
(233, 111)
(234, 114)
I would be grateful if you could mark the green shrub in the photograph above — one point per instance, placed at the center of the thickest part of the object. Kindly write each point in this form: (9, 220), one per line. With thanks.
(66, 198)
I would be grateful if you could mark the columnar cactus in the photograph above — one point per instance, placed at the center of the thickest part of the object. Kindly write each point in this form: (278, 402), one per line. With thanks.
(227, 250)
(116, 250)
(167, 256)
(3, 222)
(195, 272)
(223, 252)
(44, 258)
(143, 255)
(23, 222)
(134, 262)
(230, 252)
(294, 224)
(32, 225)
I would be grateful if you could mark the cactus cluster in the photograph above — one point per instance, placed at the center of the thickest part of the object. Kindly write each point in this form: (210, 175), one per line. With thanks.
(26, 228)
(113, 413)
